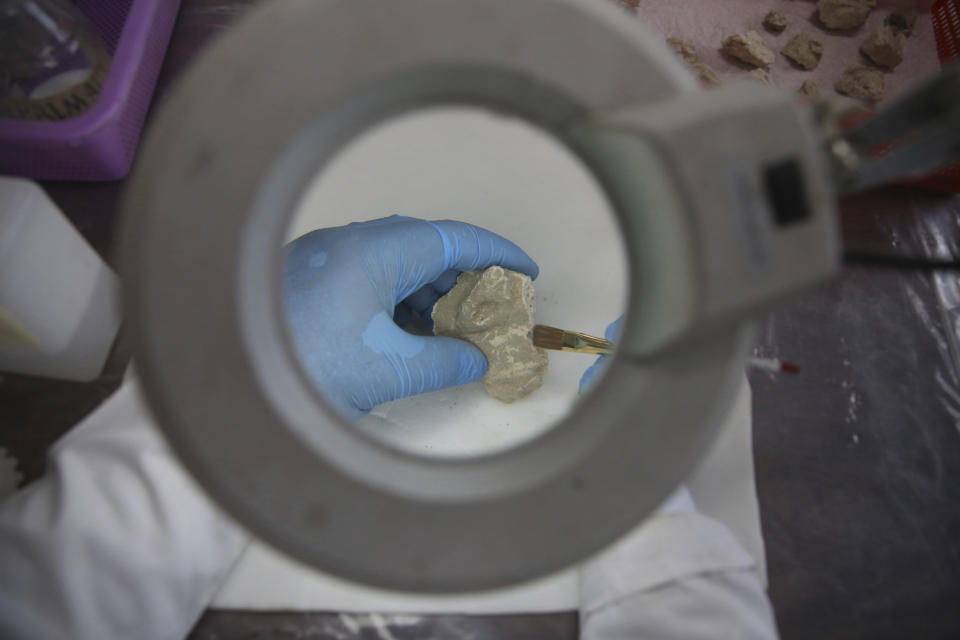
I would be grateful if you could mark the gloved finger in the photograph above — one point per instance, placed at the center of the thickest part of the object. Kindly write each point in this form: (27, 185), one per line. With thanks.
(402, 315)
(612, 332)
(411, 321)
(414, 364)
(445, 282)
(462, 247)
(423, 299)
(444, 362)
(379, 222)
(589, 377)
(468, 248)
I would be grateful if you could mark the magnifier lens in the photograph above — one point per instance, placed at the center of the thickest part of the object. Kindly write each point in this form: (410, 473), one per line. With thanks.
(361, 278)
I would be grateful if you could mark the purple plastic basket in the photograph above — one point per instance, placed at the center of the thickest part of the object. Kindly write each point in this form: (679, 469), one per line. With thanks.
(99, 144)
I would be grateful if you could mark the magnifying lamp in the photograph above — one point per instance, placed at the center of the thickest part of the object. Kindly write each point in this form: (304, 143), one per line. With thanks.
(724, 200)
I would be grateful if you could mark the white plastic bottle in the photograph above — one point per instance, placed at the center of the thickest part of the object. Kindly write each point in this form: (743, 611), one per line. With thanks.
(59, 302)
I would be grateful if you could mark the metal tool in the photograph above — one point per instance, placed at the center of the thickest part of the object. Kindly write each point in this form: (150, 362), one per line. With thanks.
(919, 132)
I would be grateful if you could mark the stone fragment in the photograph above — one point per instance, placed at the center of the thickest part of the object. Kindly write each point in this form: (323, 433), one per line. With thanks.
(775, 22)
(859, 81)
(494, 310)
(760, 75)
(804, 50)
(686, 51)
(844, 14)
(884, 47)
(902, 20)
(809, 90)
(705, 74)
(750, 48)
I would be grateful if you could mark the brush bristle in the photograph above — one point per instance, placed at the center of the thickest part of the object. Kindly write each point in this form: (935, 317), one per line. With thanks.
(547, 337)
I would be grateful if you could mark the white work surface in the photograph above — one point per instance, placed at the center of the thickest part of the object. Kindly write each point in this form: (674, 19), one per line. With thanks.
(498, 173)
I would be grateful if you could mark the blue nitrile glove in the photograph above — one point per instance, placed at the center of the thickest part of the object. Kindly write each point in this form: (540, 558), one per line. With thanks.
(611, 334)
(342, 287)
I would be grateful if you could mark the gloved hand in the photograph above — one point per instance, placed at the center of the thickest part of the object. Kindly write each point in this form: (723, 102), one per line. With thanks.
(589, 376)
(342, 287)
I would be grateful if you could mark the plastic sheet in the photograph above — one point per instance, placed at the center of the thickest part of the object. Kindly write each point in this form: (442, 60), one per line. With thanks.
(858, 456)
(918, 223)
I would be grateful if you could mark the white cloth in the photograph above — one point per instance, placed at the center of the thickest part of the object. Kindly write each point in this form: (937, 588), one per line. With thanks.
(722, 487)
(682, 575)
(116, 541)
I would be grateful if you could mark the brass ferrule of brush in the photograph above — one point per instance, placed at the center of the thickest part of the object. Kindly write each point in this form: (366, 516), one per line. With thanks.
(583, 343)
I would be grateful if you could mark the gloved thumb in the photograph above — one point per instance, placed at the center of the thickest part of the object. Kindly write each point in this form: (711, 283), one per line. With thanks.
(589, 376)
(414, 364)
(445, 362)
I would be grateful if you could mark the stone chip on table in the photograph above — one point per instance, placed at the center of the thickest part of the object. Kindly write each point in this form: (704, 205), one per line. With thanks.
(903, 20)
(884, 47)
(860, 81)
(750, 48)
(775, 21)
(844, 14)
(686, 51)
(804, 50)
(759, 75)
(495, 310)
(705, 74)
(809, 90)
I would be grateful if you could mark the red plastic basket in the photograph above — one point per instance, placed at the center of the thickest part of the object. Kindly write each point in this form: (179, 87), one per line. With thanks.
(946, 28)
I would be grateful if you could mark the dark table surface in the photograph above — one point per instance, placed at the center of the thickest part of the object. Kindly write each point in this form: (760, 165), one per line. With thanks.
(857, 457)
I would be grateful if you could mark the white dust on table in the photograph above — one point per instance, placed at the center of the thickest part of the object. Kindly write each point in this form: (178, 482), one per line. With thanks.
(854, 403)
(346, 626)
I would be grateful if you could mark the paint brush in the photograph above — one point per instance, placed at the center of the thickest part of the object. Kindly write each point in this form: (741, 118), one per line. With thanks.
(560, 340)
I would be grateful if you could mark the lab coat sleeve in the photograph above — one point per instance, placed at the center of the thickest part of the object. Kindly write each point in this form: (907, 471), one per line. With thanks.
(683, 576)
(115, 540)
